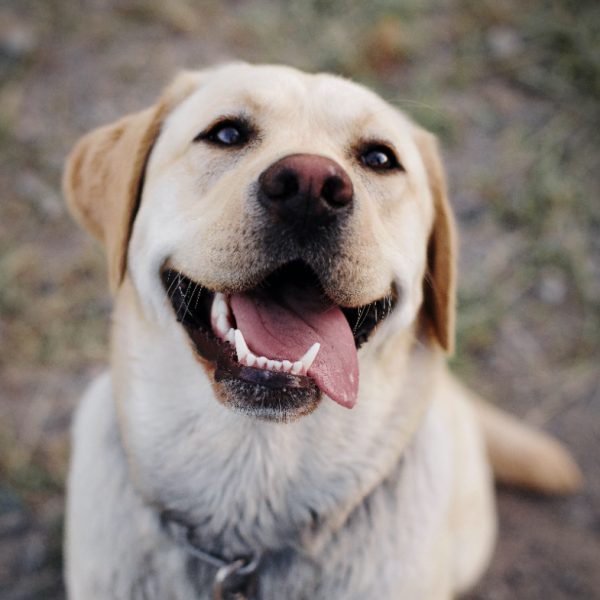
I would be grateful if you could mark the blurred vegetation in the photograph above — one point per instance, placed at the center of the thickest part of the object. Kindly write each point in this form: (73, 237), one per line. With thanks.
(511, 88)
(543, 183)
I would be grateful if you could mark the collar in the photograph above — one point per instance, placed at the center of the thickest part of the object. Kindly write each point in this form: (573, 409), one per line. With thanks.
(234, 579)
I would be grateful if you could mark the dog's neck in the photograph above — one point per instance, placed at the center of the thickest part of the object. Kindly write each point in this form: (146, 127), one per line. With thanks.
(248, 484)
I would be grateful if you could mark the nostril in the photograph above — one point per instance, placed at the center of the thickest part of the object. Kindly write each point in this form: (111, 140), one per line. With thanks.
(284, 185)
(288, 182)
(331, 191)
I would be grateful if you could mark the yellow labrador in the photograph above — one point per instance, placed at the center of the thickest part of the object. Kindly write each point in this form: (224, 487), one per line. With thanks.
(278, 420)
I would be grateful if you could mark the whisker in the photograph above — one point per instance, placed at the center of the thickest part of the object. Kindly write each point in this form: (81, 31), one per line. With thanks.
(360, 309)
(184, 303)
(171, 284)
(364, 315)
(197, 288)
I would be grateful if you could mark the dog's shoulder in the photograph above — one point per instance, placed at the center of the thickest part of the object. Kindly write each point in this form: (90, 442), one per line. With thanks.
(107, 518)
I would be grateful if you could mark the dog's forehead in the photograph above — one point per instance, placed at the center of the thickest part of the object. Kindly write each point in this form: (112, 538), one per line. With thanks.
(291, 109)
(287, 93)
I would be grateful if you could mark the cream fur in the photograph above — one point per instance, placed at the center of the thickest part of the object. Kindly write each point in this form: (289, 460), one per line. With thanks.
(392, 499)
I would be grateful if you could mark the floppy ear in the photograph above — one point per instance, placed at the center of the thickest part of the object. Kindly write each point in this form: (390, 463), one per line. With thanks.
(104, 174)
(439, 291)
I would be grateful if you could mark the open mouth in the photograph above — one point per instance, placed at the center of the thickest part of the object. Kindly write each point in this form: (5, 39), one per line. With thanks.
(285, 334)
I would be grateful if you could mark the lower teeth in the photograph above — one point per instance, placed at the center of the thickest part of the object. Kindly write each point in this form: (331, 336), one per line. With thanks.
(246, 357)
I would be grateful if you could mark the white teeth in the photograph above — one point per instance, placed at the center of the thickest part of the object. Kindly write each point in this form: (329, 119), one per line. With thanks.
(219, 314)
(296, 367)
(220, 304)
(308, 359)
(221, 319)
(261, 362)
(236, 338)
(241, 347)
(223, 324)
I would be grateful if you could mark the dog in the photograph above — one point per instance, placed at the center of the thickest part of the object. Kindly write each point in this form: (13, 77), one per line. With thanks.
(278, 420)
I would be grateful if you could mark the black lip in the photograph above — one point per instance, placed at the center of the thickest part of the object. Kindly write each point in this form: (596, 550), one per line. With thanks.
(192, 302)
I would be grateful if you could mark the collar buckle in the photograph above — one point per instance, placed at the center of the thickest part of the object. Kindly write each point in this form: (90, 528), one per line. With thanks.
(236, 580)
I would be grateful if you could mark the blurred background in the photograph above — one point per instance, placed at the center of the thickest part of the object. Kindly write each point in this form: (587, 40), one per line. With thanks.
(512, 88)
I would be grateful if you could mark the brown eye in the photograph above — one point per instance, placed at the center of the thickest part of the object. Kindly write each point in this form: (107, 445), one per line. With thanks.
(379, 157)
(231, 132)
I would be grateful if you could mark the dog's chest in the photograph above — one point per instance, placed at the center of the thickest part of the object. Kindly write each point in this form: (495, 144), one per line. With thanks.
(384, 546)
(388, 546)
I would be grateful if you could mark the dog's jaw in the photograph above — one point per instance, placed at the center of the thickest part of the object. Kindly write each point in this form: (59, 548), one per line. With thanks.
(288, 378)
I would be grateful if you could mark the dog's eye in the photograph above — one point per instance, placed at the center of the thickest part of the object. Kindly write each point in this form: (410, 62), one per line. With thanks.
(226, 133)
(379, 157)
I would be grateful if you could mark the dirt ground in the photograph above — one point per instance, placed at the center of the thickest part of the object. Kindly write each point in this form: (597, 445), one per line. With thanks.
(511, 89)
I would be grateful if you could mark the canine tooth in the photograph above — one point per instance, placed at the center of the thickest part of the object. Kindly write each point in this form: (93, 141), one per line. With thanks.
(271, 365)
(286, 366)
(261, 361)
(223, 324)
(250, 359)
(297, 367)
(241, 348)
(310, 355)
(230, 337)
(276, 365)
(221, 304)
(214, 313)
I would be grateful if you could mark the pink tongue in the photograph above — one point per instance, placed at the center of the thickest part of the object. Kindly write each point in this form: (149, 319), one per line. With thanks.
(286, 326)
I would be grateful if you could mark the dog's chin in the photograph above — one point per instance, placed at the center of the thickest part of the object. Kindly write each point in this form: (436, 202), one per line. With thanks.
(253, 392)
(269, 389)
(278, 405)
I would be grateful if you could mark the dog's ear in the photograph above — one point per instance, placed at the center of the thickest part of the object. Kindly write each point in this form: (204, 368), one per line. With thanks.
(439, 292)
(104, 173)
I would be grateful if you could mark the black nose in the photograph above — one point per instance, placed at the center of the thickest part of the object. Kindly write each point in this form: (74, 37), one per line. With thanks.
(306, 189)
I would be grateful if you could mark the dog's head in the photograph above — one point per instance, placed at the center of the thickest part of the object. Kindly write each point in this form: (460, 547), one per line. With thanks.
(278, 218)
